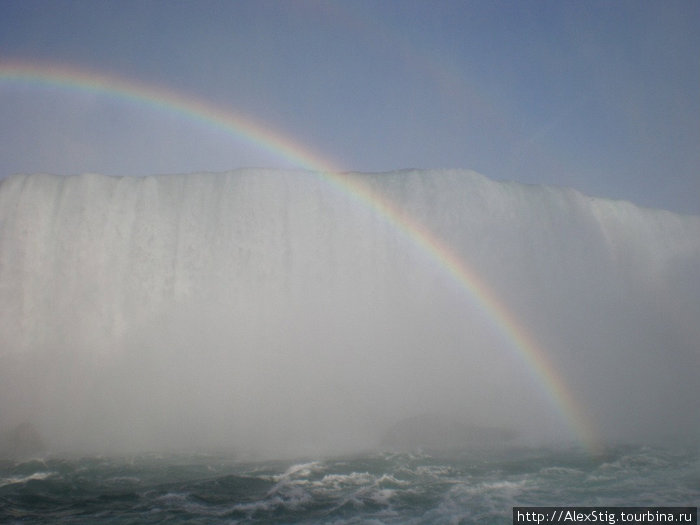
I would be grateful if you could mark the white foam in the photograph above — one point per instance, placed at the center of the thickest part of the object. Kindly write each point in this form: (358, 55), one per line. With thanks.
(12, 480)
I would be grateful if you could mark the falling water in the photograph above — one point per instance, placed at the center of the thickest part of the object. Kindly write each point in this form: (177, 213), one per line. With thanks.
(275, 313)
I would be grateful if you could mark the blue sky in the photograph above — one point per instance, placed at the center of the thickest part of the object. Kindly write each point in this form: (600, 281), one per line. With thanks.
(600, 96)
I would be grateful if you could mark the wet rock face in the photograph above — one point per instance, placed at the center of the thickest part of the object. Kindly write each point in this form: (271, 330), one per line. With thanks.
(20, 441)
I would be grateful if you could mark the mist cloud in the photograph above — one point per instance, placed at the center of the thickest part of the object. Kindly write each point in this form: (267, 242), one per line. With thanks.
(265, 312)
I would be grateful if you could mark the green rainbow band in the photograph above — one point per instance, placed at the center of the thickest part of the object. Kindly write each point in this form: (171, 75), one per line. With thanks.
(503, 321)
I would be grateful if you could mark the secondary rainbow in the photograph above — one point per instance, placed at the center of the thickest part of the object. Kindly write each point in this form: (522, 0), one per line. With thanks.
(477, 290)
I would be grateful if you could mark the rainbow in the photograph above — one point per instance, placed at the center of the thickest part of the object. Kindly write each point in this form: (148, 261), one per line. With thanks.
(503, 322)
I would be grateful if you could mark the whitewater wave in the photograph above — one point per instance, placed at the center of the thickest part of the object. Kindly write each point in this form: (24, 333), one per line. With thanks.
(377, 488)
(15, 480)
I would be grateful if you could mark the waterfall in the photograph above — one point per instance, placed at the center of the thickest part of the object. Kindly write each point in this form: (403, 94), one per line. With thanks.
(268, 310)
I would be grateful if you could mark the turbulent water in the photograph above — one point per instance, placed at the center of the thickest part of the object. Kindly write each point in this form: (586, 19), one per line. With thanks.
(375, 488)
